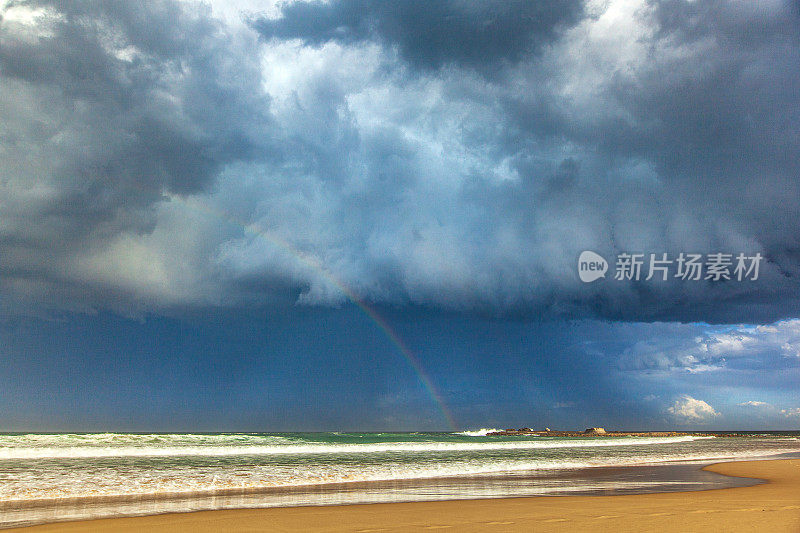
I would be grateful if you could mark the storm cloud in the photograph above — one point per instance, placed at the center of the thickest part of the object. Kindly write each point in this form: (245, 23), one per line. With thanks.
(108, 107)
(429, 34)
(453, 156)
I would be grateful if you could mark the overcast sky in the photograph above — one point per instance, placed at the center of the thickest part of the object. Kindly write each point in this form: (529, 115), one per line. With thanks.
(300, 172)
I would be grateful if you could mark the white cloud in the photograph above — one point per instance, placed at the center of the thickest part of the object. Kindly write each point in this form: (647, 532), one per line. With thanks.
(238, 11)
(783, 337)
(753, 403)
(793, 412)
(688, 409)
(681, 348)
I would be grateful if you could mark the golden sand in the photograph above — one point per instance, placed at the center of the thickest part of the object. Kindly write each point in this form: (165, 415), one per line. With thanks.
(772, 507)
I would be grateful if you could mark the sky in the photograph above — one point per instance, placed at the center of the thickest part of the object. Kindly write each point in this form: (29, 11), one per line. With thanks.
(367, 215)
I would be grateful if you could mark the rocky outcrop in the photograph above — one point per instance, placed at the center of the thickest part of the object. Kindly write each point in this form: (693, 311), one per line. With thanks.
(601, 433)
(595, 431)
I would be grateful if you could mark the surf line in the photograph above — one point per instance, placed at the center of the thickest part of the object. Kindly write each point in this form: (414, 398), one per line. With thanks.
(314, 264)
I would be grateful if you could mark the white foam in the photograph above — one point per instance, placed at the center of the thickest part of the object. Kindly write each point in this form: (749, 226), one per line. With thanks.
(309, 449)
(105, 482)
(477, 432)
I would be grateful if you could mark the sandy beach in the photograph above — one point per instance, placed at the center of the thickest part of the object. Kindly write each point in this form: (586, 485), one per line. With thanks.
(772, 506)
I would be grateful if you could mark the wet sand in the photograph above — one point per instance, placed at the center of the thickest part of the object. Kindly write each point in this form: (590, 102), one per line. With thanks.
(773, 506)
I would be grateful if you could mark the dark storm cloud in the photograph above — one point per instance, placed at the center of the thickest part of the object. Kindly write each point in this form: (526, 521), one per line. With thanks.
(106, 107)
(660, 127)
(429, 34)
(137, 93)
(693, 145)
(450, 155)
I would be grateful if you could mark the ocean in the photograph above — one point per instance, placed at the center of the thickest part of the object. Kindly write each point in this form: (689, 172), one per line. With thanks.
(53, 477)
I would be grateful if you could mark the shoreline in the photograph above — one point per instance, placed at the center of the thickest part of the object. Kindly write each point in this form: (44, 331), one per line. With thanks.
(773, 504)
(671, 476)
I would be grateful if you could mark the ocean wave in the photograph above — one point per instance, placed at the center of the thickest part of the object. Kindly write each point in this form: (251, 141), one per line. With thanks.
(138, 439)
(118, 483)
(477, 432)
(30, 452)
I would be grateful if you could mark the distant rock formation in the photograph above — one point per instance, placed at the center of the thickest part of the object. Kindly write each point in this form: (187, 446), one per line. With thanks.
(595, 431)
(601, 432)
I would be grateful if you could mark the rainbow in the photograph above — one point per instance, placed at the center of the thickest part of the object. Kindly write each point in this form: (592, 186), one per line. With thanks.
(369, 311)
